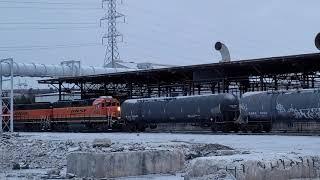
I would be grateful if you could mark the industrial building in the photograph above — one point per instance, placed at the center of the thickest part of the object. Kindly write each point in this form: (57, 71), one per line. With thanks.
(237, 77)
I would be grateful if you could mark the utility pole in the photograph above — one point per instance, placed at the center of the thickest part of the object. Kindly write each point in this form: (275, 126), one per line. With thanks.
(6, 101)
(112, 52)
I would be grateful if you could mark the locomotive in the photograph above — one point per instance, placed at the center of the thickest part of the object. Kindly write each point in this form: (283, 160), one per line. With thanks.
(99, 114)
(295, 111)
(218, 111)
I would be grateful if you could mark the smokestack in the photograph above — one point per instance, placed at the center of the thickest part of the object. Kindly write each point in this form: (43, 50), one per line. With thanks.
(317, 41)
(223, 49)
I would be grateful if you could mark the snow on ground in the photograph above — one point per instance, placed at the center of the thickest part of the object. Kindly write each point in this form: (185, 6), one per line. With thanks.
(30, 148)
(308, 145)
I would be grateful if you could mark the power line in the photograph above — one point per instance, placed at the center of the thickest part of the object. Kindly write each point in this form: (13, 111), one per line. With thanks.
(43, 23)
(47, 28)
(51, 3)
(28, 48)
(49, 8)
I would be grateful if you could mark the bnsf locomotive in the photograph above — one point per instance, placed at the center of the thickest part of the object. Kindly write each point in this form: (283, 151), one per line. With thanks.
(97, 114)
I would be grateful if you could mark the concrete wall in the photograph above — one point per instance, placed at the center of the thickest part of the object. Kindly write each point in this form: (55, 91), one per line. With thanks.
(124, 163)
(282, 168)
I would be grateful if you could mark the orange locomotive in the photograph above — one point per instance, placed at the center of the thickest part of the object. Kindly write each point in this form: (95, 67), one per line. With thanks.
(97, 114)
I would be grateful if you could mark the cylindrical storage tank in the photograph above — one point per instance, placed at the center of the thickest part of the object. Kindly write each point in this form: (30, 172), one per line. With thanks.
(186, 109)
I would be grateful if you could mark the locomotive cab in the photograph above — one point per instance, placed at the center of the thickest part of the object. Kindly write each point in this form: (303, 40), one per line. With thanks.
(108, 105)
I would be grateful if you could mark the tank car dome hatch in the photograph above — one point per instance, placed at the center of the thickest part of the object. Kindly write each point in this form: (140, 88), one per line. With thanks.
(317, 41)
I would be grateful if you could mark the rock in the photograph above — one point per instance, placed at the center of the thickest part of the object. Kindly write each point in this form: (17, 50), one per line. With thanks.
(110, 165)
(15, 166)
(136, 147)
(72, 149)
(245, 152)
(220, 175)
(24, 166)
(255, 167)
(53, 172)
(70, 175)
(226, 152)
(102, 143)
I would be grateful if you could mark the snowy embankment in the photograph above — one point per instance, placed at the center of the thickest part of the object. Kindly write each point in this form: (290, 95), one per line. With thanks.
(43, 155)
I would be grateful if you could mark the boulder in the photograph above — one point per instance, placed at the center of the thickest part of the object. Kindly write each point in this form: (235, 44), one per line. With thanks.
(102, 143)
(119, 164)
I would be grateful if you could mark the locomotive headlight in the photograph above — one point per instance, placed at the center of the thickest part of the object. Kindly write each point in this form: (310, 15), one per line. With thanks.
(119, 108)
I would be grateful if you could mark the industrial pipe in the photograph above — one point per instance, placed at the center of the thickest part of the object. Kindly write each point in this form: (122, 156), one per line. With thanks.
(223, 49)
(317, 41)
(42, 70)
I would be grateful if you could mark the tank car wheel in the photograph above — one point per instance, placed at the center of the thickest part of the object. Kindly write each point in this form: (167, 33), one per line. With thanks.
(214, 128)
(153, 126)
(243, 128)
(141, 127)
(267, 128)
(131, 128)
(236, 129)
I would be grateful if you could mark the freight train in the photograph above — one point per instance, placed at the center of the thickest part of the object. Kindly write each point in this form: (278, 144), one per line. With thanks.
(285, 111)
(98, 114)
(296, 111)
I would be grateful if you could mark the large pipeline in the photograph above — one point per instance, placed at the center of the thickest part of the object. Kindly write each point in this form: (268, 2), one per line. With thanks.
(223, 49)
(43, 70)
(317, 41)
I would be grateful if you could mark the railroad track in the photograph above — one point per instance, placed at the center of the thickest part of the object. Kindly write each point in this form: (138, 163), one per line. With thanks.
(207, 132)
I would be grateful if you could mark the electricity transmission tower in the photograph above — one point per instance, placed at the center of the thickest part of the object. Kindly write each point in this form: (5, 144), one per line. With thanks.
(112, 35)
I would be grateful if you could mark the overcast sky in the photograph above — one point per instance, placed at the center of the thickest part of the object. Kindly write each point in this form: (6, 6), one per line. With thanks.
(179, 32)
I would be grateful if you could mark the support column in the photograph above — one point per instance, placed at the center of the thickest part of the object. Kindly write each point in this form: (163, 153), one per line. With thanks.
(261, 83)
(1, 110)
(81, 91)
(11, 95)
(60, 97)
(6, 107)
(275, 83)
(159, 90)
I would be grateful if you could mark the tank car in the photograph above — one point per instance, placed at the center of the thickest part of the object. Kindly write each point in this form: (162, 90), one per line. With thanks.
(294, 111)
(218, 111)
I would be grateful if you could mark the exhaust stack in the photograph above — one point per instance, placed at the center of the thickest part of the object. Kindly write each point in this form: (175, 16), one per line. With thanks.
(223, 49)
(317, 41)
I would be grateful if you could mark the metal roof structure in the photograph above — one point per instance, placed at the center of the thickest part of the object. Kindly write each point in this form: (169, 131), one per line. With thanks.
(245, 75)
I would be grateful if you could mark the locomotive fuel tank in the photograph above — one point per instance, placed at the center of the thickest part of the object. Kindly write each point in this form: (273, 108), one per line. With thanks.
(186, 109)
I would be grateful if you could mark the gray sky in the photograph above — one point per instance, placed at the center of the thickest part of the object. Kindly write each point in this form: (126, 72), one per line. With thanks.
(179, 32)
